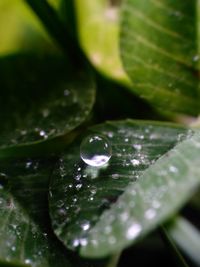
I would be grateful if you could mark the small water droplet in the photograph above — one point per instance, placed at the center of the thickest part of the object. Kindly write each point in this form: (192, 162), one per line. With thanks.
(45, 113)
(13, 248)
(85, 225)
(150, 214)
(78, 186)
(156, 204)
(14, 226)
(93, 190)
(66, 92)
(115, 175)
(23, 132)
(196, 58)
(74, 199)
(173, 169)
(78, 177)
(83, 242)
(108, 229)
(141, 137)
(124, 216)
(28, 261)
(137, 146)
(43, 134)
(28, 164)
(180, 137)
(135, 162)
(95, 150)
(62, 212)
(133, 231)
(154, 136)
(75, 243)
(112, 240)
(94, 242)
(110, 134)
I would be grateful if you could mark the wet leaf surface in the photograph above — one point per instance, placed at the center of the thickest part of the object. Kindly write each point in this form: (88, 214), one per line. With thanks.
(80, 194)
(25, 235)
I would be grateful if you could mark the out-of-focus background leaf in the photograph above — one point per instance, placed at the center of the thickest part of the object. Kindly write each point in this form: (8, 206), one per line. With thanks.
(21, 30)
(98, 29)
(160, 56)
(41, 98)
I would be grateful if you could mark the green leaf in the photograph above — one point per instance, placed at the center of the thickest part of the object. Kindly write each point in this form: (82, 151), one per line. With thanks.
(25, 236)
(41, 99)
(160, 192)
(160, 55)
(80, 194)
(98, 26)
(23, 30)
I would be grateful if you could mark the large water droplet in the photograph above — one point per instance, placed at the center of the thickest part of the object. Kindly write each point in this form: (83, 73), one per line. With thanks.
(95, 150)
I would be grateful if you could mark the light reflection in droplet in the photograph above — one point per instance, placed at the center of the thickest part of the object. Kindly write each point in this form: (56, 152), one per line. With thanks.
(133, 231)
(95, 150)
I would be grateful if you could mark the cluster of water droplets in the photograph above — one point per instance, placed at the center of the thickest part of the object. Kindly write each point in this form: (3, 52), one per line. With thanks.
(128, 217)
(52, 117)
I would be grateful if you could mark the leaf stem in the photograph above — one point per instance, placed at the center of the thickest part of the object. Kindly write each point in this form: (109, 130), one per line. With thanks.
(114, 260)
(172, 247)
(187, 237)
(56, 28)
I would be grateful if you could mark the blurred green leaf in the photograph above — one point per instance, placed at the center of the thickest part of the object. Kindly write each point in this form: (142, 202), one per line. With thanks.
(55, 3)
(160, 55)
(20, 30)
(109, 106)
(172, 248)
(41, 98)
(80, 194)
(98, 28)
(187, 237)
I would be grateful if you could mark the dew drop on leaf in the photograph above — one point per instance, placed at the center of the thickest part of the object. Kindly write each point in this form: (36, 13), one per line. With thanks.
(28, 261)
(135, 162)
(85, 225)
(196, 58)
(133, 231)
(95, 150)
